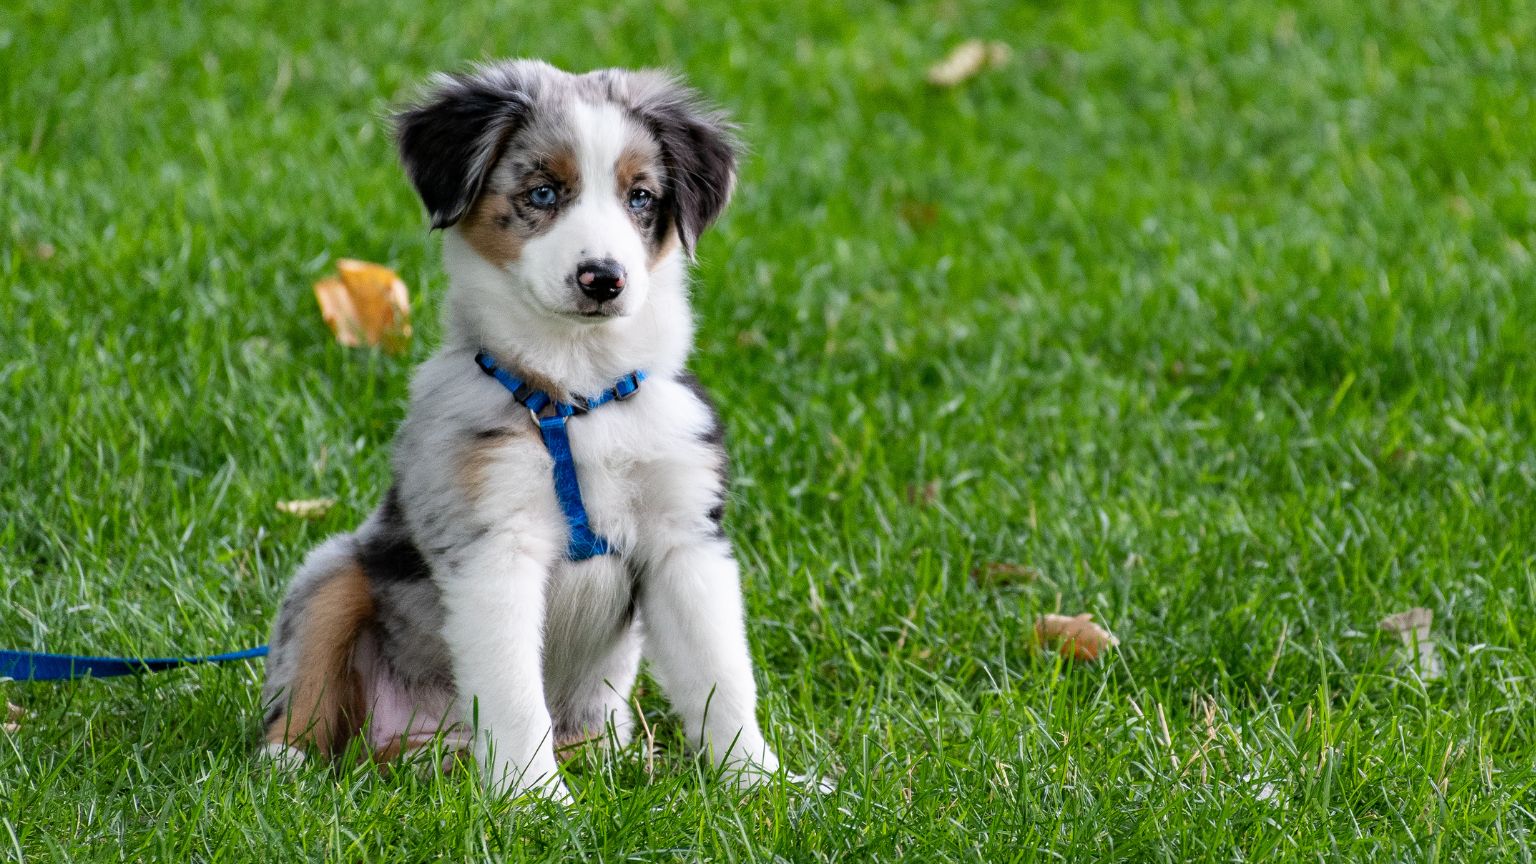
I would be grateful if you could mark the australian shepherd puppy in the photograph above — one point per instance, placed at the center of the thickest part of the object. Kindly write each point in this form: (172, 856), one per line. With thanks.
(570, 206)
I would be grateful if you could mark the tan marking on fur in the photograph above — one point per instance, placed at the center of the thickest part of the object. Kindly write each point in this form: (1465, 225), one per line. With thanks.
(325, 707)
(478, 457)
(563, 166)
(632, 164)
(485, 231)
(667, 246)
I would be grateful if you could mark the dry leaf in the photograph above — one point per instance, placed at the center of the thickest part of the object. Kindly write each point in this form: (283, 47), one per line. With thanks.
(13, 713)
(1418, 648)
(925, 494)
(1080, 638)
(307, 508)
(967, 60)
(917, 214)
(1003, 573)
(368, 305)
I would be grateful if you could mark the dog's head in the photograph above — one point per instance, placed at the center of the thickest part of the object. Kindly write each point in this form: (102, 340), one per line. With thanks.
(574, 188)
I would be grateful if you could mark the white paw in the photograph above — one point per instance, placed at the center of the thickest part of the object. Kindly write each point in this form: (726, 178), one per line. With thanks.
(282, 756)
(541, 782)
(552, 789)
(812, 783)
(556, 792)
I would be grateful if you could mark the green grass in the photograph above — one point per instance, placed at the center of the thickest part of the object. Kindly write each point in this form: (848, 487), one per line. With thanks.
(1218, 316)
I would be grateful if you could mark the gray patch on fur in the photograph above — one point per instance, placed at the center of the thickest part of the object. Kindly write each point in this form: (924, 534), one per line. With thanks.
(714, 436)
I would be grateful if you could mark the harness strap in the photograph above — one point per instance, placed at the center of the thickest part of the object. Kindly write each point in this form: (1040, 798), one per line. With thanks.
(583, 542)
(38, 666)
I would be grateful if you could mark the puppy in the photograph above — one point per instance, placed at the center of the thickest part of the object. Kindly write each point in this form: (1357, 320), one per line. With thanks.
(476, 602)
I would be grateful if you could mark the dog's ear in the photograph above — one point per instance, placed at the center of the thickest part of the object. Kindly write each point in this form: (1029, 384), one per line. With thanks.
(449, 142)
(698, 149)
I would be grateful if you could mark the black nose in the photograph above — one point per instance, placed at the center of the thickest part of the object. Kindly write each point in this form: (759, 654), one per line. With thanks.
(600, 280)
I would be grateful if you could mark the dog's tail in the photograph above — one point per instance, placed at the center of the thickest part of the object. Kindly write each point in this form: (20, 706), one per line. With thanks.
(314, 691)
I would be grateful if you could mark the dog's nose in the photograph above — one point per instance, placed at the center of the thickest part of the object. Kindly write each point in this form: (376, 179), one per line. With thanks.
(600, 280)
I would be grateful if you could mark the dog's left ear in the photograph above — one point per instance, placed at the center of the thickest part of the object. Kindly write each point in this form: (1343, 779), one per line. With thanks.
(450, 141)
(698, 148)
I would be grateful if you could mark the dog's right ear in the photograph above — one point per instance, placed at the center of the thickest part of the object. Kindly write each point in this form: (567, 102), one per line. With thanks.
(450, 141)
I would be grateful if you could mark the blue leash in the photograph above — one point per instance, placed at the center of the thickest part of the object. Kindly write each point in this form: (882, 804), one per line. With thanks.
(584, 543)
(38, 666)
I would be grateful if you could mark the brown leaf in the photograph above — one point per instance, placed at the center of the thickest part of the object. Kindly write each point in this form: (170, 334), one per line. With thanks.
(917, 214)
(307, 508)
(367, 305)
(925, 494)
(1003, 573)
(1079, 637)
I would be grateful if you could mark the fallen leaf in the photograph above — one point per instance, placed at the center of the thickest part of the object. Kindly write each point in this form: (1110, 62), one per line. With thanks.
(307, 508)
(917, 214)
(13, 713)
(967, 60)
(962, 63)
(367, 305)
(925, 494)
(1079, 637)
(1003, 573)
(1418, 648)
(44, 251)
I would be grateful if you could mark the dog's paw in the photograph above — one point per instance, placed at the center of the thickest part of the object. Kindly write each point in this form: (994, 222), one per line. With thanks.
(750, 774)
(283, 757)
(556, 793)
(760, 768)
(812, 783)
(552, 790)
(529, 784)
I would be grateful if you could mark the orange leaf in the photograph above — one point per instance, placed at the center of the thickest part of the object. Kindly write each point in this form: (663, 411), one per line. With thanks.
(1079, 637)
(368, 305)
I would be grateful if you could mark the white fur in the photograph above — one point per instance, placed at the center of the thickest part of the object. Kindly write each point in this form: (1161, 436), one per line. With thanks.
(595, 227)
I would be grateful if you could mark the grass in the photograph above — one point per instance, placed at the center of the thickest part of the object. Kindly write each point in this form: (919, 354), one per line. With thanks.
(1215, 317)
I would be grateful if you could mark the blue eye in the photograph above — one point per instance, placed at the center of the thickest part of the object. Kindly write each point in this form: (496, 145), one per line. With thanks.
(543, 196)
(640, 199)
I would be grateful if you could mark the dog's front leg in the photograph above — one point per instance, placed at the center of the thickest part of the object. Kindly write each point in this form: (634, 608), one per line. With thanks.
(696, 640)
(493, 603)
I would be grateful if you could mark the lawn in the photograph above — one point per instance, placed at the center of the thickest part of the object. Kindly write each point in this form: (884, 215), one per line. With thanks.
(1215, 319)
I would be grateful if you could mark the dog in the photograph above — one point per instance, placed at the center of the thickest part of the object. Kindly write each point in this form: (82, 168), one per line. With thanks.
(461, 609)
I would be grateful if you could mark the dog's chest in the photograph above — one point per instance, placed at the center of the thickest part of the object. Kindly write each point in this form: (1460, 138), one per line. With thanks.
(646, 474)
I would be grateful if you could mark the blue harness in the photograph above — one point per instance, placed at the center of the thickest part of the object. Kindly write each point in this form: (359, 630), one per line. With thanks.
(584, 543)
